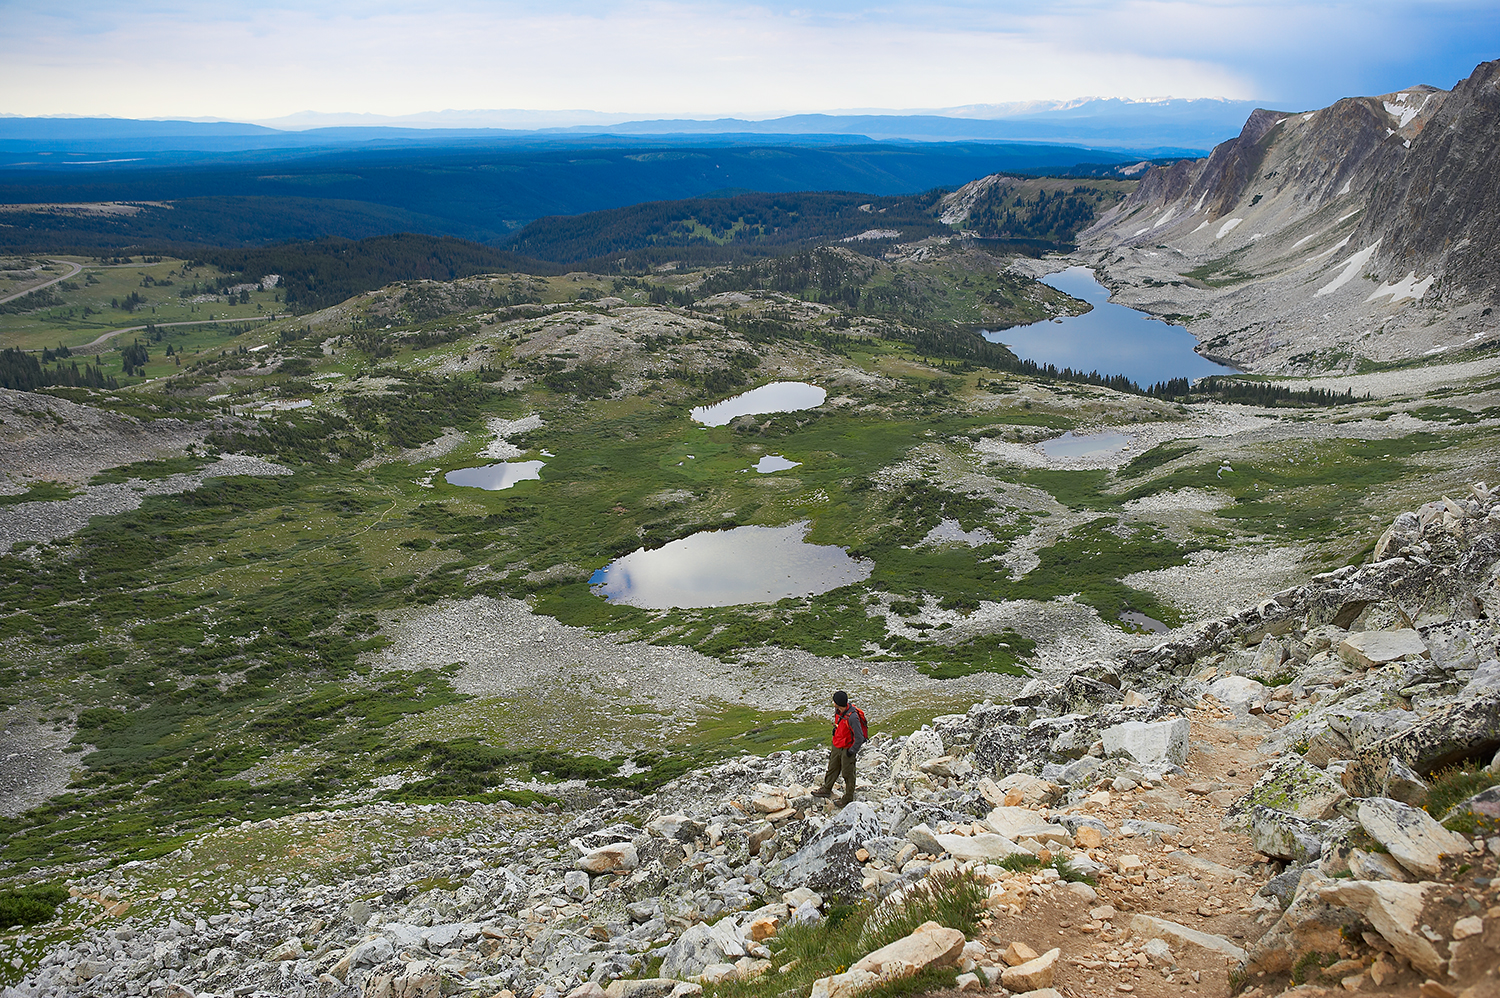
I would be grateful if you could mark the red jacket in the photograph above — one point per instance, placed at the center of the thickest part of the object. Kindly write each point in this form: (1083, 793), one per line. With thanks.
(842, 736)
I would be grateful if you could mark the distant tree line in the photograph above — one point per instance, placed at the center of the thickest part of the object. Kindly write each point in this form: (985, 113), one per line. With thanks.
(325, 272)
(1260, 393)
(22, 371)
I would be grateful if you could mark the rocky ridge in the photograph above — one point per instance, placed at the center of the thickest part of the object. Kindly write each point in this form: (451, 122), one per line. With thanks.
(1247, 802)
(1311, 240)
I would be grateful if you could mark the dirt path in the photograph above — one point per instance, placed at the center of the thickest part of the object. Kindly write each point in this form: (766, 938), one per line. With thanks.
(46, 284)
(99, 343)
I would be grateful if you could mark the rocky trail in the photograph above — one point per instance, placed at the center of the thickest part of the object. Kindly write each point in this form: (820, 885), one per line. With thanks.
(1237, 812)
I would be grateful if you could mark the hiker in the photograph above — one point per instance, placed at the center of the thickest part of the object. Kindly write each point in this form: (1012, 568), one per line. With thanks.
(849, 733)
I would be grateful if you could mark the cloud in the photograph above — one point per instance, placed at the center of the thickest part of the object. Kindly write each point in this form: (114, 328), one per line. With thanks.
(696, 58)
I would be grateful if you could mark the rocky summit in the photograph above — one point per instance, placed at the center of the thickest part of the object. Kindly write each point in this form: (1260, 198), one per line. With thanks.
(1298, 796)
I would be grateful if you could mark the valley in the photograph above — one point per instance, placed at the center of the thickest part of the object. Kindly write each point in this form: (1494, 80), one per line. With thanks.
(251, 611)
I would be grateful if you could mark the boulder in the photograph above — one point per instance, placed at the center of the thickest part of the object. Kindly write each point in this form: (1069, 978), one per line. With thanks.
(1151, 927)
(1291, 785)
(652, 987)
(700, 946)
(921, 746)
(1237, 689)
(1310, 924)
(1395, 910)
(576, 883)
(827, 862)
(845, 985)
(1375, 866)
(1032, 975)
(1414, 839)
(289, 950)
(1483, 806)
(930, 945)
(983, 847)
(1285, 836)
(1155, 743)
(677, 826)
(1463, 730)
(609, 858)
(1009, 821)
(395, 979)
(1405, 784)
(1368, 649)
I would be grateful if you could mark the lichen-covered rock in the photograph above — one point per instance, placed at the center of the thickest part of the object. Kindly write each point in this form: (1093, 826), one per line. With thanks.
(1368, 649)
(827, 862)
(1293, 786)
(1395, 910)
(1462, 730)
(1285, 836)
(1414, 839)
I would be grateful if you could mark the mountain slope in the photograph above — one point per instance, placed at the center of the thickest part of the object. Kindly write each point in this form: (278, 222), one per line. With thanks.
(1325, 239)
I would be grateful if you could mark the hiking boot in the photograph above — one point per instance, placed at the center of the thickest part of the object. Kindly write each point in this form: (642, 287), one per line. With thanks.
(845, 801)
(822, 793)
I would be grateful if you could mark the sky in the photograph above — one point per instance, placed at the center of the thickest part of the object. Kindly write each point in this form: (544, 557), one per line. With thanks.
(193, 58)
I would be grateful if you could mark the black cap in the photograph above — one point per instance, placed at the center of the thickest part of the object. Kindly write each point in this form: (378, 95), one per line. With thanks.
(841, 698)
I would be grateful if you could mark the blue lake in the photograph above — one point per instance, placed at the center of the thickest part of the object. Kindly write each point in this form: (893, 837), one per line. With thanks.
(1110, 339)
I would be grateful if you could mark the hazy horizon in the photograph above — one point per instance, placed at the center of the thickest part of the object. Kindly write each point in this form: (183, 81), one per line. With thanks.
(186, 59)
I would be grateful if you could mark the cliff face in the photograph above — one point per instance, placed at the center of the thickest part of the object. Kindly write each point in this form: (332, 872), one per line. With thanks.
(1316, 239)
(1440, 211)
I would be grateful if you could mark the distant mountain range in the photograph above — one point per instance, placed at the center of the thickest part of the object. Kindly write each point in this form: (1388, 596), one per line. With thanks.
(1154, 128)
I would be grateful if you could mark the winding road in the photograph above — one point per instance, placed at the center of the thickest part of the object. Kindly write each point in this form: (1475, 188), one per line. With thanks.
(77, 268)
(101, 342)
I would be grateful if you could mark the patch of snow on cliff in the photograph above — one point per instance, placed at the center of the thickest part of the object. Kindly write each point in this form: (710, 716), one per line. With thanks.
(1305, 239)
(1345, 218)
(1402, 111)
(1199, 206)
(1345, 189)
(1201, 227)
(1407, 287)
(1351, 267)
(1228, 227)
(1165, 218)
(1330, 250)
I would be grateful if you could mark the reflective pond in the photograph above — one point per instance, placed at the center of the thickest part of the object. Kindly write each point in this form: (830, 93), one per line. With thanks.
(1144, 623)
(728, 567)
(775, 462)
(1110, 339)
(1089, 445)
(494, 477)
(778, 396)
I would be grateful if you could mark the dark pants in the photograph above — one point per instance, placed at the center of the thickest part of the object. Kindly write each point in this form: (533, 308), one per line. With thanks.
(840, 763)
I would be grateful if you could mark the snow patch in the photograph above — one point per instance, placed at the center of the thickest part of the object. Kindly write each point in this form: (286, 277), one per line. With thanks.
(1351, 267)
(1165, 218)
(1201, 227)
(1346, 218)
(1228, 227)
(1330, 250)
(1199, 206)
(1305, 239)
(1309, 116)
(1345, 189)
(1407, 287)
(1257, 236)
(1139, 231)
(1402, 111)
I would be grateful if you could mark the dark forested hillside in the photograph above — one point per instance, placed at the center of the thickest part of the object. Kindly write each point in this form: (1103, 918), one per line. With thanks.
(327, 271)
(744, 224)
